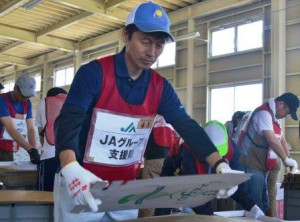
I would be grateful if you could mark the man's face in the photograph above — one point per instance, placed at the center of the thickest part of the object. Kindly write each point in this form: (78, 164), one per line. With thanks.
(18, 95)
(142, 50)
(282, 110)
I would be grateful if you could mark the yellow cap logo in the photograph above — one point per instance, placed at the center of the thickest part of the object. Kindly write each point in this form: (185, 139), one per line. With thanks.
(158, 14)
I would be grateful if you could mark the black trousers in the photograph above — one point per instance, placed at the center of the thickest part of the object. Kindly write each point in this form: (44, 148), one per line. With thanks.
(47, 169)
(182, 164)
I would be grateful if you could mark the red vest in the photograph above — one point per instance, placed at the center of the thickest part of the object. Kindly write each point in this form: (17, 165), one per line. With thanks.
(110, 99)
(200, 166)
(270, 162)
(53, 105)
(10, 145)
(165, 136)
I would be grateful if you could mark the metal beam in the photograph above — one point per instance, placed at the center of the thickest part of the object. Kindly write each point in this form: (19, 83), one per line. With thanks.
(10, 6)
(49, 57)
(114, 3)
(14, 60)
(65, 23)
(105, 39)
(10, 46)
(205, 8)
(96, 7)
(26, 36)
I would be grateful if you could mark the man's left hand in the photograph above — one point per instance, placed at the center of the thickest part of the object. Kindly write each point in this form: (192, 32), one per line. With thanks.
(225, 168)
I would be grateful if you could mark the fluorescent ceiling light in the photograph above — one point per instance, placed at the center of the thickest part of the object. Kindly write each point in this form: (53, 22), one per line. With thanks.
(31, 4)
(191, 35)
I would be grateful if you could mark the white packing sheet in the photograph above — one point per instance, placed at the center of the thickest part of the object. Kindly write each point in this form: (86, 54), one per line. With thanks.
(173, 192)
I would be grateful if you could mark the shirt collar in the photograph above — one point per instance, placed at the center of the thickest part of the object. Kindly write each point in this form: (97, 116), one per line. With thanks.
(272, 106)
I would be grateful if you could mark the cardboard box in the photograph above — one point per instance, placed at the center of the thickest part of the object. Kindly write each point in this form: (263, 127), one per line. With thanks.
(189, 218)
(21, 175)
(291, 185)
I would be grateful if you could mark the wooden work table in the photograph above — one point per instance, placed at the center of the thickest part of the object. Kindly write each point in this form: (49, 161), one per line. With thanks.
(25, 196)
(16, 176)
(26, 205)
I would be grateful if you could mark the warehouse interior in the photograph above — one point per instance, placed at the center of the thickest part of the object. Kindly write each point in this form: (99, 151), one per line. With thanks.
(51, 39)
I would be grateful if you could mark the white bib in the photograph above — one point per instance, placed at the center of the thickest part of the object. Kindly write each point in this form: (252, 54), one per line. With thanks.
(117, 139)
(20, 125)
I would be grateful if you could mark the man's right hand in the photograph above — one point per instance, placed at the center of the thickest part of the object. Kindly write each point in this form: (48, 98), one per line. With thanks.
(289, 162)
(254, 213)
(78, 182)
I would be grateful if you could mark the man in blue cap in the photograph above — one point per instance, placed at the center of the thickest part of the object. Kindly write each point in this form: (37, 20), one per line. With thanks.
(104, 125)
(17, 127)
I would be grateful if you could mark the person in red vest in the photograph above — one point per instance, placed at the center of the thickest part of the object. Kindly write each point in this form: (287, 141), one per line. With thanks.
(261, 142)
(17, 127)
(47, 111)
(104, 125)
(182, 160)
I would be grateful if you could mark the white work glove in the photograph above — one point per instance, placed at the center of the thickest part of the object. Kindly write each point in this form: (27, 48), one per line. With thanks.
(254, 213)
(78, 182)
(289, 162)
(225, 168)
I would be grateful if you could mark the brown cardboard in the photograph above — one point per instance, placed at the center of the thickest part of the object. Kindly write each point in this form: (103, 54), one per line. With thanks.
(18, 174)
(25, 196)
(189, 218)
(18, 178)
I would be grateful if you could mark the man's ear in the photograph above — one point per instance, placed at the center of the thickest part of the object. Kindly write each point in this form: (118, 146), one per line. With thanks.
(125, 36)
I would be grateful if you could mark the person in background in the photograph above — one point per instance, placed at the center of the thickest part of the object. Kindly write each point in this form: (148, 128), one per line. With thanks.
(184, 161)
(239, 128)
(240, 118)
(161, 140)
(17, 127)
(232, 125)
(261, 142)
(47, 111)
(109, 113)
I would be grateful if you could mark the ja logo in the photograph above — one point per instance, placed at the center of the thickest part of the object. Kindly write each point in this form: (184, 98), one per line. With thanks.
(128, 129)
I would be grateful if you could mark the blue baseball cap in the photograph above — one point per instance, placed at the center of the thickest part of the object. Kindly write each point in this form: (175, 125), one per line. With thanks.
(26, 85)
(150, 17)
